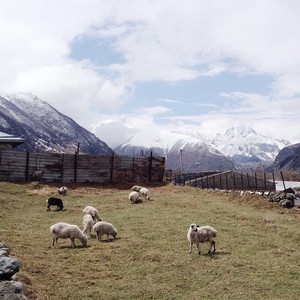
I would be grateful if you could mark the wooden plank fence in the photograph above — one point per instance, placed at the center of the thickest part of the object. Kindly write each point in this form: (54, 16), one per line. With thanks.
(80, 168)
(228, 180)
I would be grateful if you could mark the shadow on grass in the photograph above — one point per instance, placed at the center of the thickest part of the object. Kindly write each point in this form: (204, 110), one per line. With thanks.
(214, 255)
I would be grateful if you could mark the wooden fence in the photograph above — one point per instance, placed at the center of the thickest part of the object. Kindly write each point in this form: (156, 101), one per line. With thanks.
(79, 168)
(228, 180)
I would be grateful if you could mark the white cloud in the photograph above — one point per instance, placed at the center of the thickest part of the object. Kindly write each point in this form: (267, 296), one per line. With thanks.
(159, 41)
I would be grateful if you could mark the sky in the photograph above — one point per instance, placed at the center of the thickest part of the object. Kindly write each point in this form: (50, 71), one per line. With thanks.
(122, 67)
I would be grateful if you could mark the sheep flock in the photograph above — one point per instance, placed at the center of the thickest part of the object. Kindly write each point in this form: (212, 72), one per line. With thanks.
(93, 222)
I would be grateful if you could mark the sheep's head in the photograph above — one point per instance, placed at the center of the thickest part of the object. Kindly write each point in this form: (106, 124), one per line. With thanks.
(194, 227)
(84, 239)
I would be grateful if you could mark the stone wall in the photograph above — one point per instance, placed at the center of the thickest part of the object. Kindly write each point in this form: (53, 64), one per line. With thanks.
(10, 288)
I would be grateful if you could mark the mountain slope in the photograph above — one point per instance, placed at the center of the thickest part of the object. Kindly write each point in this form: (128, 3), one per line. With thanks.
(44, 128)
(288, 159)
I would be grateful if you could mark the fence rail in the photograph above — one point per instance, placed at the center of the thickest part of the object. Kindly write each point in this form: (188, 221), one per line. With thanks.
(19, 166)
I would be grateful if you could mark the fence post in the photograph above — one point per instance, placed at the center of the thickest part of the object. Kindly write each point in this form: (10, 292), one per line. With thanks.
(282, 180)
(255, 181)
(112, 166)
(75, 167)
(242, 184)
(233, 177)
(150, 167)
(62, 167)
(248, 181)
(132, 176)
(27, 166)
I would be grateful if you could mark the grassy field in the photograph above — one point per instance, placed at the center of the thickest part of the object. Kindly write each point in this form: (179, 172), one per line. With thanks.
(257, 253)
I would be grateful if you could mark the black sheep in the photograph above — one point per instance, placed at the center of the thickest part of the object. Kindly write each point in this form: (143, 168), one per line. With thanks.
(56, 202)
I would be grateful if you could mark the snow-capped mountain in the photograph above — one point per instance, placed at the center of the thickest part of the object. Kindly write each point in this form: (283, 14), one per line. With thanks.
(246, 147)
(239, 147)
(44, 128)
(181, 151)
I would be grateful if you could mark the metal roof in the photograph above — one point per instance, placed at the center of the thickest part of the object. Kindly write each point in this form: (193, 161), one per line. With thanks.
(7, 138)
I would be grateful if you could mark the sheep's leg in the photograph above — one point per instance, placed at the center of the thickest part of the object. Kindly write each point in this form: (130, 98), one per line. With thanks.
(73, 242)
(212, 245)
(54, 241)
(107, 237)
(191, 246)
(198, 247)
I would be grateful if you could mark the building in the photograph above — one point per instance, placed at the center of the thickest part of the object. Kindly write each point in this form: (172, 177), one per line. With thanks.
(9, 142)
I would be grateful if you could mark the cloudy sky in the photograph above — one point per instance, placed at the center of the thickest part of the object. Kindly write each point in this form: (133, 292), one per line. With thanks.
(119, 67)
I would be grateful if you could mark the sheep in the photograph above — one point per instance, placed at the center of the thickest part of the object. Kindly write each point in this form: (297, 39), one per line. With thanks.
(90, 210)
(55, 202)
(201, 234)
(145, 193)
(104, 228)
(64, 231)
(38, 174)
(62, 190)
(136, 188)
(142, 190)
(133, 197)
(88, 223)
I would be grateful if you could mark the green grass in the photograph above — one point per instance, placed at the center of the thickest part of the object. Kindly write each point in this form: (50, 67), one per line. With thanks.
(257, 254)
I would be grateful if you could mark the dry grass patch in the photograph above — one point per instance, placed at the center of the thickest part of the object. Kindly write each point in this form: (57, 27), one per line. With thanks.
(257, 248)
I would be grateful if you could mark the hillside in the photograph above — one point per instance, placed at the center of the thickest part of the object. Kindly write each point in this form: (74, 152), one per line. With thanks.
(288, 159)
(44, 128)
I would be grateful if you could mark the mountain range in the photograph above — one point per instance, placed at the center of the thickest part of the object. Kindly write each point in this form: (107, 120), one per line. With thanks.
(46, 129)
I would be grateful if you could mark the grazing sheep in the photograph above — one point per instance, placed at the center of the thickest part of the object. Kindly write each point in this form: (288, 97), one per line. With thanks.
(67, 231)
(38, 174)
(201, 234)
(52, 201)
(104, 228)
(62, 190)
(136, 188)
(145, 193)
(88, 223)
(90, 210)
(133, 197)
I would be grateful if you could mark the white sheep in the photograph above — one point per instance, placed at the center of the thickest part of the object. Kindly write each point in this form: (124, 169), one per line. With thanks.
(88, 223)
(67, 231)
(90, 210)
(145, 193)
(104, 228)
(38, 174)
(136, 188)
(201, 234)
(133, 197)
(62, 190)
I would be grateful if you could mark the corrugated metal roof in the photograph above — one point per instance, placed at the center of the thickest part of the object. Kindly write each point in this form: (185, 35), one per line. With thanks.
(7, 138)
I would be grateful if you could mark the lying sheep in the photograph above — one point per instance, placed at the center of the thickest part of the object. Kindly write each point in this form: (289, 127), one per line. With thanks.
(90, 210)
(62, 190)
(104, 228)
(38, 174)
(67, 231)
(88, 223)
(133, 197)
(201, 234)
(52, 201)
